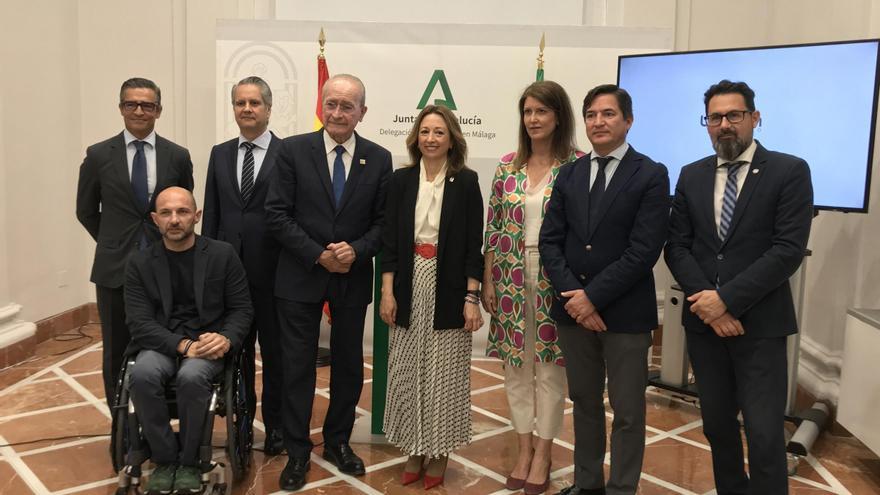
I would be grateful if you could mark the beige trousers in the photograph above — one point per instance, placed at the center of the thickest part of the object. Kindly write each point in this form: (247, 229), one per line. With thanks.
(535, 391)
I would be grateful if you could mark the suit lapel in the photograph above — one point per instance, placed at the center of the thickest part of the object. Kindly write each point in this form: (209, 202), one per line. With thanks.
(119, 158)
(268, 161)
(704, 195)
(450, 198)
(231, 156)
(752, 178)
(627, 167)
(163, 277)
(581, 182)
(163, 161)
(199, 270)
(358, 163)
(319, 160)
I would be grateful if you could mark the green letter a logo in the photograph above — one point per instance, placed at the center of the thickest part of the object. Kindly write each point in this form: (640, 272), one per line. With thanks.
(438, 77)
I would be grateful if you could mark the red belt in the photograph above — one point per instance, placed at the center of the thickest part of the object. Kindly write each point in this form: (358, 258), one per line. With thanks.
(426, 251)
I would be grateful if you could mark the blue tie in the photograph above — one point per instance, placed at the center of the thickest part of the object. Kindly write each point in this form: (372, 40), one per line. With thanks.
(139, 175)
(729, 202)
(338, 174)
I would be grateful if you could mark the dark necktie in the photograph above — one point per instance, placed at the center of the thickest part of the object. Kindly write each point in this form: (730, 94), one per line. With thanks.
(598, 189)
(139, 175)
(247, 172)
(338, 174)
(729, 202)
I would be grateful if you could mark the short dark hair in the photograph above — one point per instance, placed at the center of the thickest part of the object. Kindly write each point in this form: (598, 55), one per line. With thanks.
(556, 99)
(140, 82)
(455, 161)
(624, 100)
(265, 90)
(725, 86)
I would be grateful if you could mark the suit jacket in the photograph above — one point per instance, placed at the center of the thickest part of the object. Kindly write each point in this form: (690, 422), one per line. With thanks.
(612, 257)
(221, 292)
(302, 214)
(764, 247)
(458, 245)
(107, 208)
(227, 218)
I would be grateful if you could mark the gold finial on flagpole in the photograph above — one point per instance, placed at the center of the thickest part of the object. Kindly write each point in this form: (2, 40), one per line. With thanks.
(321, 41)
(541, 53)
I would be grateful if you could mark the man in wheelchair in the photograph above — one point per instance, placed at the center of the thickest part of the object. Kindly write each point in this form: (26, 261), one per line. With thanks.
(187, 305)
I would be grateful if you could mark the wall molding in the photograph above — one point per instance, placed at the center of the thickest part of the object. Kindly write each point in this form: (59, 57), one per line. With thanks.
(819, 369)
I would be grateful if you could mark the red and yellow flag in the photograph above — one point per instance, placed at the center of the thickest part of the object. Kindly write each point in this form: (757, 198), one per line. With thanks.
(323, 75)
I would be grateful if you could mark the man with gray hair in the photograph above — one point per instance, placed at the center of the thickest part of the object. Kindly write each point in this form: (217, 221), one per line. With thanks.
(118, 183)
(238, 178)
(326, 205)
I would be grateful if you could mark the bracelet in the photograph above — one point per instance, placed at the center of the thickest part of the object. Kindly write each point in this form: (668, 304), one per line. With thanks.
(471, 301)
(473, 292)
(187, 346)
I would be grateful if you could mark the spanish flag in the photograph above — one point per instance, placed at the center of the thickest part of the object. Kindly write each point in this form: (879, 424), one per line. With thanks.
(323, 75)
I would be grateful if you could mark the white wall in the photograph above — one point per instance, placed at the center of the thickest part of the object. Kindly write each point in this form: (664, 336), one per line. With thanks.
(62, 63)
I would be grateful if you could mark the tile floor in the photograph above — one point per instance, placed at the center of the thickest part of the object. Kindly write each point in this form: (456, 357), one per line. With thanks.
(59, 394)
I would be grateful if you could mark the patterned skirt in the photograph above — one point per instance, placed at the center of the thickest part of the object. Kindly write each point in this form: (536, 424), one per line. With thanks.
(427, 406)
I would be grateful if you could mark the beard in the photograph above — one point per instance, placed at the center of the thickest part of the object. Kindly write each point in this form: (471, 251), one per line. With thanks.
(728, 149)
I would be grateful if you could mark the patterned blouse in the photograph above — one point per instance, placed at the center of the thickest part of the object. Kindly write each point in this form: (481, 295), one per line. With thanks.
(505, 237)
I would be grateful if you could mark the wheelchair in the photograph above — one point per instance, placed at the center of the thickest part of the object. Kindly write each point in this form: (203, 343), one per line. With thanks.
(129, 449)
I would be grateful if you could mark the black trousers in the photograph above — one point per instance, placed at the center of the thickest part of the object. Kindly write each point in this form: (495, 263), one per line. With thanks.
(264, 327)
(750, 375)
(114, 335)
(300, 328)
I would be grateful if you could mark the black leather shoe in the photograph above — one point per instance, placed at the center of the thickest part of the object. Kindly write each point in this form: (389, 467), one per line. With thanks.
(573, 490)
(294, 475)
(344, 459)
(274, 444)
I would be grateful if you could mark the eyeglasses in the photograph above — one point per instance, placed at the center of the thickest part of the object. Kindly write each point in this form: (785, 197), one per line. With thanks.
(146, 106)
(733, 117)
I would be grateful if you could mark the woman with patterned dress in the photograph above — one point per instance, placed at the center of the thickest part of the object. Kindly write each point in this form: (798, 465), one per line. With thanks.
(516, 292)
(431, 269)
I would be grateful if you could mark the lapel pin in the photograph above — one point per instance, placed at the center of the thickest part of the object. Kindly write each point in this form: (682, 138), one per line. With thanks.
(755, 170)
(362, 161)
(452, 179)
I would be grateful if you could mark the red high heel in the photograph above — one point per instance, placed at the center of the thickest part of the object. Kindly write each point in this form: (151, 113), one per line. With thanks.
(432, 481)
(538, 489)
(409, 478)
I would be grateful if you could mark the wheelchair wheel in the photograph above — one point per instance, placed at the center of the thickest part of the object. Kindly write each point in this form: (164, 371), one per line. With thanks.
(119, 441)
(238, 423)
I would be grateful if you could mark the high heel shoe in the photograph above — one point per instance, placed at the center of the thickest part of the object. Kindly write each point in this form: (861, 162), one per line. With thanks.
(409, 477)
(432, 481)
(514, 483)
(538, 489)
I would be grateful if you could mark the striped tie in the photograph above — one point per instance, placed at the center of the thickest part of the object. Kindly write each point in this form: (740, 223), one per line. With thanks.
(247, 172)
(729, 203)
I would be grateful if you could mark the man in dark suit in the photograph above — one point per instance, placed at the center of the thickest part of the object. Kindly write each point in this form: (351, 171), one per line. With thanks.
(118, 180)
(326, 205)
(235, 192)
(187, 305)
(603, 231)
(739, 228)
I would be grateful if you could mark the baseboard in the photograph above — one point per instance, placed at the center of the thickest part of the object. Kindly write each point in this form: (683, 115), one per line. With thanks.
(819, 370)
(46, 329)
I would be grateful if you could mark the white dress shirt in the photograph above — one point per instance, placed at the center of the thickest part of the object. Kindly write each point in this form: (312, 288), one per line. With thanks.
(330, 144)
(721, 179)
(261, 145)
(428, 205)
(616, 155)
(149, 154)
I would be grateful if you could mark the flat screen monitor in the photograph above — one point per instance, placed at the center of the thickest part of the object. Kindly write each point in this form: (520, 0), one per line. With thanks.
(817, 101)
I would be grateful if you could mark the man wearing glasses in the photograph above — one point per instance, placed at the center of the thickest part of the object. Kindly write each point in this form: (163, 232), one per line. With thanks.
(738, 230)
(118, 182)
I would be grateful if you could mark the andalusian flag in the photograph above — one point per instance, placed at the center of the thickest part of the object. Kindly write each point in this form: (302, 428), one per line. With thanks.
(539, 76)
(323, 75)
